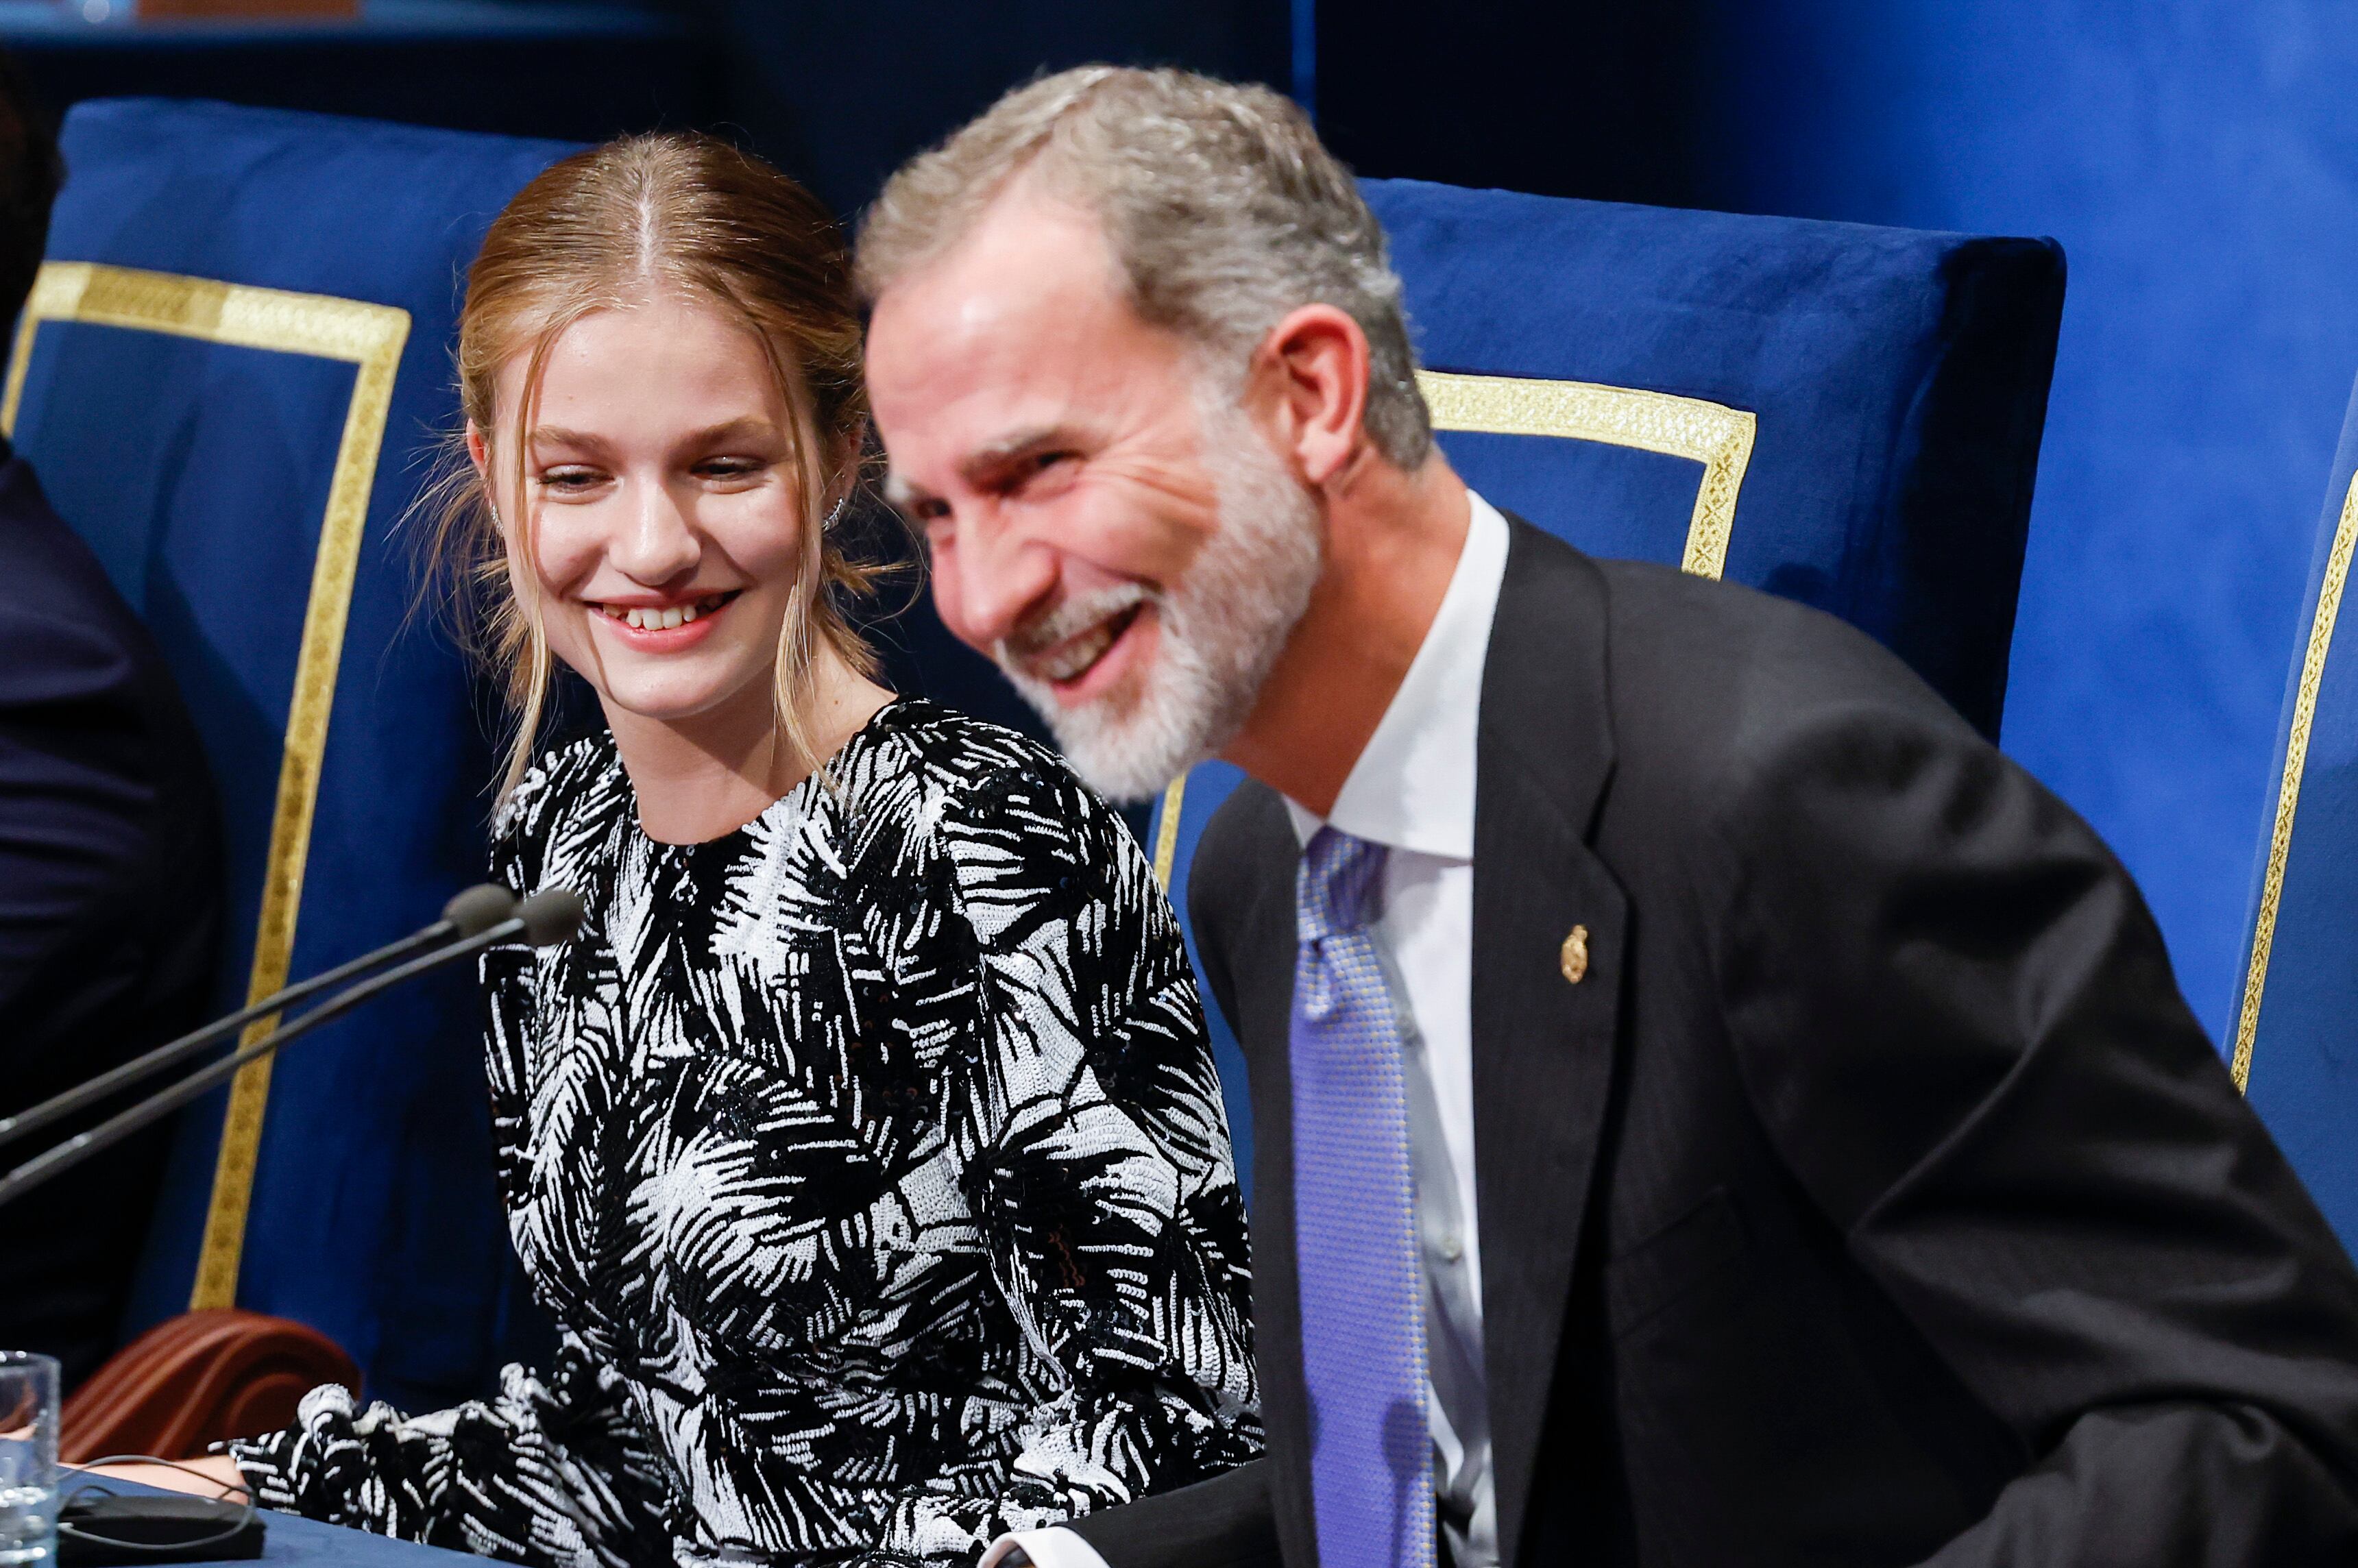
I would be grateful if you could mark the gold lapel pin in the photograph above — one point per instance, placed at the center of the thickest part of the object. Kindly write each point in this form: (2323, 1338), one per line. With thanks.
(1573, 959)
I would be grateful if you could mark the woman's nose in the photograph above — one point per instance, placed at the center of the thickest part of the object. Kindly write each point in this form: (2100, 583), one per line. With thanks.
(656, 542)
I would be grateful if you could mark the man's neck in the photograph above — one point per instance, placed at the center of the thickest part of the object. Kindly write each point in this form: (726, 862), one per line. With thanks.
(1392, 543)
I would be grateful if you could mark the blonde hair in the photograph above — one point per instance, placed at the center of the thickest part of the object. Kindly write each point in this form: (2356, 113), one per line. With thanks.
(1223, 209)
(609, 229)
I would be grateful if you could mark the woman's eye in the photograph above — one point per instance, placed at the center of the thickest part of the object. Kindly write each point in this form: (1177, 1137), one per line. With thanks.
(729, 468)
(564, 480)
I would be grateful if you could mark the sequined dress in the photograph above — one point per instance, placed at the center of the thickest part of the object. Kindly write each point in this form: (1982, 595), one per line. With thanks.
(872, 1163)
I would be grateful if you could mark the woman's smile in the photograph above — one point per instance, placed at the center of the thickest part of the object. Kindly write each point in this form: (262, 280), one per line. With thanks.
(662, 625)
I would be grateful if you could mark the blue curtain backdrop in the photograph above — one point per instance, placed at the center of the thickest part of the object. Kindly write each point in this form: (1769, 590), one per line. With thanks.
(2199, 161)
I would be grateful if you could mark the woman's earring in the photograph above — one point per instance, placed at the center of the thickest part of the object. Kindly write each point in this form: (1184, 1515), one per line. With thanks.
(833, 516)
(494, 505)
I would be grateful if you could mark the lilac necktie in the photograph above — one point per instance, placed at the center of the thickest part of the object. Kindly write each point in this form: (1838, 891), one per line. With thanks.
(1355, 1224)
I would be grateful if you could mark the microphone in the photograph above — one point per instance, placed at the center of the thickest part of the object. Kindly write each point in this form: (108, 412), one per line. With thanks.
(546, 919)
(477, 909)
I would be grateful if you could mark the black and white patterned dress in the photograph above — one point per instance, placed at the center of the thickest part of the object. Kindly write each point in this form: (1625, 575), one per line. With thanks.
(873, 1161)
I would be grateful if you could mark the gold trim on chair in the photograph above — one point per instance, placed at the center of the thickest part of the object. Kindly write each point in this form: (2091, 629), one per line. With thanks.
(2304, 715)
(1712, 434)
(1717, 437)
(370, 336)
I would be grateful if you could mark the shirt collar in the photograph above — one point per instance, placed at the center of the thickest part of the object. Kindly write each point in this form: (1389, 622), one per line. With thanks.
(1412, 787)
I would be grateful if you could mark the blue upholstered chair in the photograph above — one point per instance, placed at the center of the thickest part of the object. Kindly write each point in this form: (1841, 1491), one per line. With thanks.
(1848, 416)
(229, 379)
(2296, 1044)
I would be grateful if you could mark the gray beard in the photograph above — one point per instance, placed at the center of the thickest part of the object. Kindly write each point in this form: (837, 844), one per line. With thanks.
(1222, 626)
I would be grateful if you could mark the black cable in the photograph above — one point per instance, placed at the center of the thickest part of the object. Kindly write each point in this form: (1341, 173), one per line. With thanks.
(247, 1512)
(82, 1146)
(466, 914)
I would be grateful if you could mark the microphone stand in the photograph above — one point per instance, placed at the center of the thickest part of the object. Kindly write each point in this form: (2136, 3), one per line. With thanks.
(545, 919)
(467, 914)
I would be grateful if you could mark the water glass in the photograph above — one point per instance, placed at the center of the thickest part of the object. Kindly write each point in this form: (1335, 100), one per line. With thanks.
(28, 1460)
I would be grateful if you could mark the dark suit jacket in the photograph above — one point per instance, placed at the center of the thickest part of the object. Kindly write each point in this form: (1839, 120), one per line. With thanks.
(1874, 1199)
(110, 897)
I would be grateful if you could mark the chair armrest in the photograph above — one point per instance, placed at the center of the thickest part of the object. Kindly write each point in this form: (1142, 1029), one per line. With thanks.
(197, 1379)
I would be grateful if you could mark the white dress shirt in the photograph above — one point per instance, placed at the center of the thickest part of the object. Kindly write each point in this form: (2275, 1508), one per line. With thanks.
(1413, 791)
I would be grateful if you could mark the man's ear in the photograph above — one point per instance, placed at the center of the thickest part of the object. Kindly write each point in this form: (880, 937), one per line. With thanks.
(1317, 361)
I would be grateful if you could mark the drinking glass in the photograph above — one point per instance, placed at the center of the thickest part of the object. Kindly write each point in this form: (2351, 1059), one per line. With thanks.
(28, 1460)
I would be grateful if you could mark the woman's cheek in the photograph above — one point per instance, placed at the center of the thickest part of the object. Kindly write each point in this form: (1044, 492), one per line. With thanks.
(567, 554)
(762, 536)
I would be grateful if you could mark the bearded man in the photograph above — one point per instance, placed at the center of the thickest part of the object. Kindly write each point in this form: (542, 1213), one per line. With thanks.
(1712, 1107)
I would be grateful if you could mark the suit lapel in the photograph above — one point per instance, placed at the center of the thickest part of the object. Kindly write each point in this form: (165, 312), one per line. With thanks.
(1542, 1046)
(1543, 1042)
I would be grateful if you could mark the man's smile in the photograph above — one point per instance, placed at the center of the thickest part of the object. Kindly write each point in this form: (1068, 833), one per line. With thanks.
(1063, 647)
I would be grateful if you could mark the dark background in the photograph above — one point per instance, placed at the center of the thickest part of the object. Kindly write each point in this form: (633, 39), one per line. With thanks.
(2198, 159)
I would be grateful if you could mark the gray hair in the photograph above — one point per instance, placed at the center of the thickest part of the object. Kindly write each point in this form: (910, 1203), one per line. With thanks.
(1223, 209)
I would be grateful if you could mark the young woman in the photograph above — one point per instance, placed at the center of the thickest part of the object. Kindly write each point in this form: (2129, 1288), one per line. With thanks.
(866, 1143)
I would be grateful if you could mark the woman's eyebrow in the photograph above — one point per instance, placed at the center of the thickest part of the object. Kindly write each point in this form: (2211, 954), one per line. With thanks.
(728, 429)
(557, 435)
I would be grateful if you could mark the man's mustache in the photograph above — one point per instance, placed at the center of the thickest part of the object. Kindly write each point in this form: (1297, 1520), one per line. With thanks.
(1069, 619)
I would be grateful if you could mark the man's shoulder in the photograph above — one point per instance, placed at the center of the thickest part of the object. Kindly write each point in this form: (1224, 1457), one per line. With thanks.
(1694, 662)
(57, 607)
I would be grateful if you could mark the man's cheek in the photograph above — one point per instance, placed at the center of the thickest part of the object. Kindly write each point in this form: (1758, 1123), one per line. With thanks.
(949, 597)
(1142, 532)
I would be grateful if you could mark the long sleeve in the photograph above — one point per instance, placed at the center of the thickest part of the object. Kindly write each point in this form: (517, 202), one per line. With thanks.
(557, 1469)
(1957, 1018)
(554, 1470)
(1100, 1173)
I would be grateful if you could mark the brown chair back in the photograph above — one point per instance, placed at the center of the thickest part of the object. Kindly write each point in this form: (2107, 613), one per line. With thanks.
(198, 1379)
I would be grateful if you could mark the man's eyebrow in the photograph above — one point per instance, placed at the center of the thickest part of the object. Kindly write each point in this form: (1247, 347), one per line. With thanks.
(980, 466)
(991, 456)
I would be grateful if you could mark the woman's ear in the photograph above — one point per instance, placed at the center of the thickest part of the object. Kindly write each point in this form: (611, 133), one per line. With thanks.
(848, 454)
(479, 453)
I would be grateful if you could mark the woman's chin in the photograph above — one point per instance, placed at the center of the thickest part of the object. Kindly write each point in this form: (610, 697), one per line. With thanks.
(681, 698)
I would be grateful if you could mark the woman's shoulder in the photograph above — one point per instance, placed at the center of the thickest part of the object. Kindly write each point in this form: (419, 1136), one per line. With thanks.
(926, 734)
(969, 775)
(564, 784)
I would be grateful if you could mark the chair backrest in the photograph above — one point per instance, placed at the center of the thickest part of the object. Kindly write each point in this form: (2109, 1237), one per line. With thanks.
(2295, 1050)
(231, 378)
(1845, 415)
